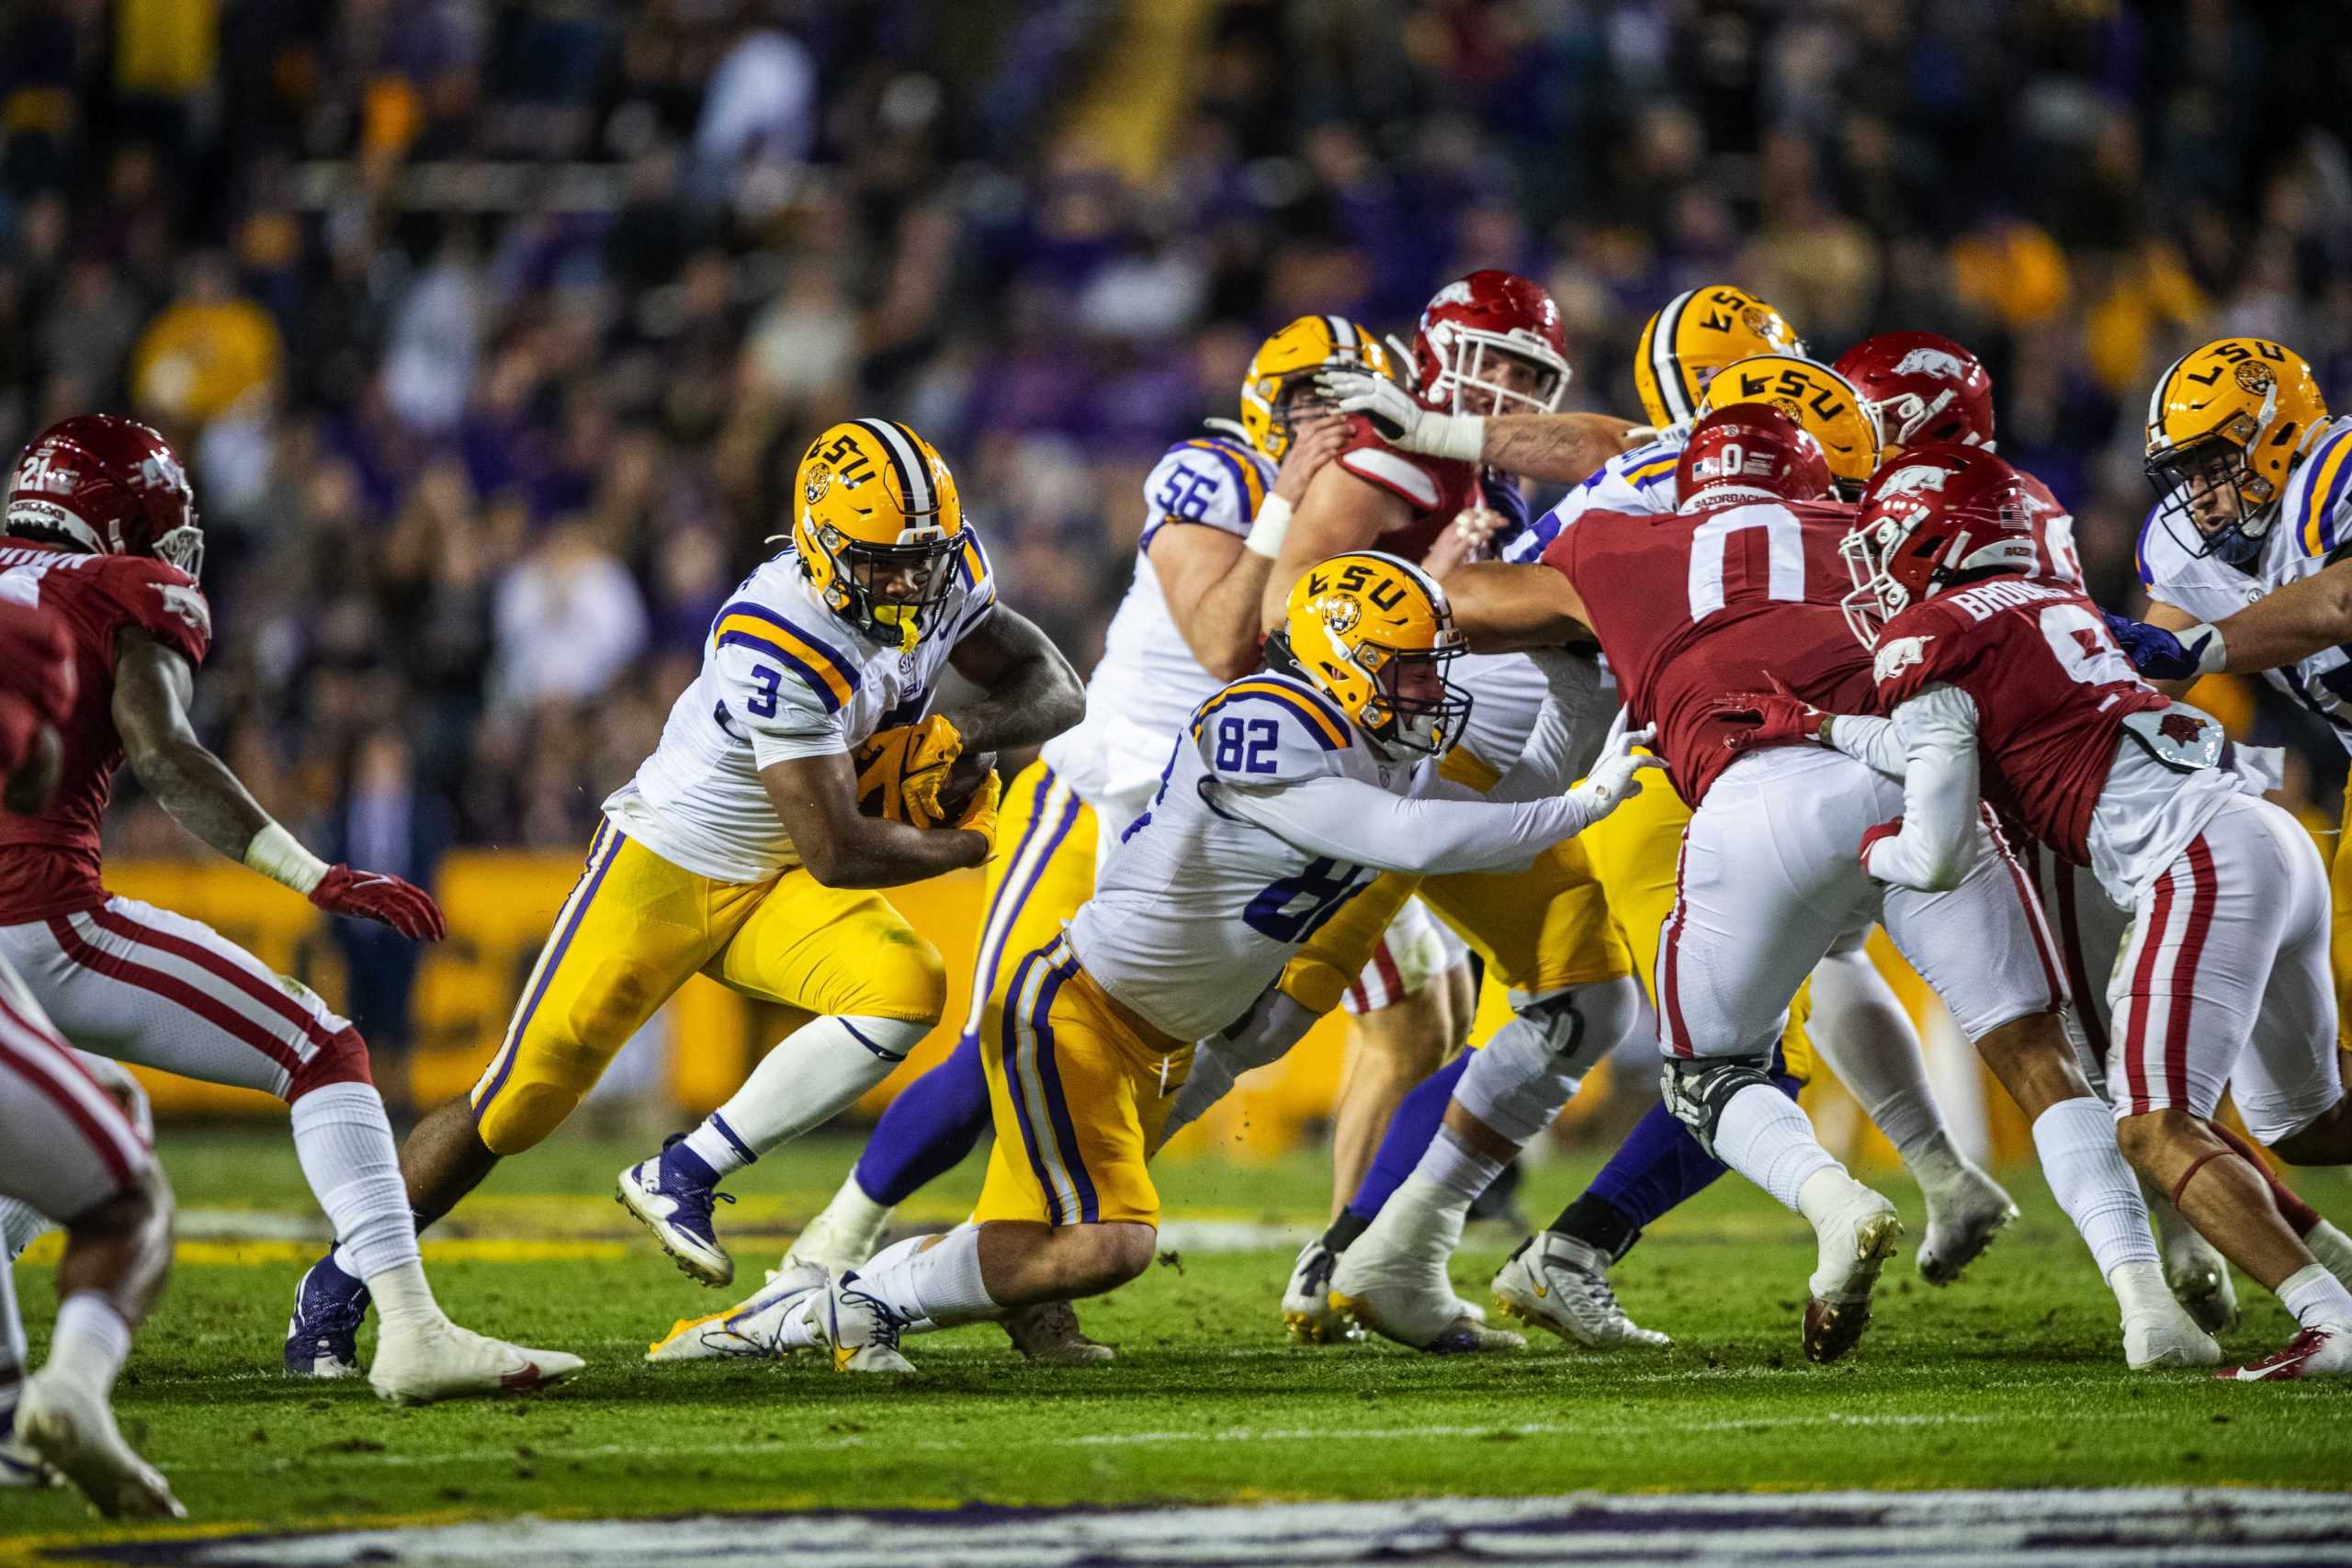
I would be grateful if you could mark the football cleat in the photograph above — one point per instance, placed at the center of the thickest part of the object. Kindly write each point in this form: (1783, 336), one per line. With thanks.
(1558, 1282)
(757, 1326)
(1307, 1311)
(1856, 1240)
(70, 1428)
(2162, 1334)
(674, 1204)
(2314, 1353)
(322, 1337)
(1392, 1281)
(2198, 1276)
(844, 1233)
(20, 1468)
(861, 1331)
(439, 1360)
(1964, 1217)
(1048, 1332)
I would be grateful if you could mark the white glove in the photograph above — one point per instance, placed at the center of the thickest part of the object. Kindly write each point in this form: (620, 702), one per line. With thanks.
(1399, 418)
(1643, 435)
(1612, 781)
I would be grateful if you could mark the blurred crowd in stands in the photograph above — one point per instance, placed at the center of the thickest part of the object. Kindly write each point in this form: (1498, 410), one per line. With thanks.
(494, 330)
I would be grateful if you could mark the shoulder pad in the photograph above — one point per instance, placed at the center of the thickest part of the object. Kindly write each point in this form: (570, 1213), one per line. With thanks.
(778, 660)
(1265, 729)
(1917, 648)
(158, 598)
(2318, 504)
(1206, 481)
(1421, 481)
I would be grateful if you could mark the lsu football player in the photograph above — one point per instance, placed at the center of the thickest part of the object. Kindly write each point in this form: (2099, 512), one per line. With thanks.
(1282, 797)
(1216, 507)
(738, 849)
(1559, 1279)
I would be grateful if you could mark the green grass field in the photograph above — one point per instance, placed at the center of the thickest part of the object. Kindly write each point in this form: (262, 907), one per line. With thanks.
(2013, 1378)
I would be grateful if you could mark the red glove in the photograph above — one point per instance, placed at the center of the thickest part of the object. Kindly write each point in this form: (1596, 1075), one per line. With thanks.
(1778, 717)
(1875, 836)
(372, 895)
(37, 659)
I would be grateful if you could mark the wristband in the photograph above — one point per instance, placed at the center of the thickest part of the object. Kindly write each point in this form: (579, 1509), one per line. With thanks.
(2206, 639)
(1462, 436)
(279, 855)
(1266, 529)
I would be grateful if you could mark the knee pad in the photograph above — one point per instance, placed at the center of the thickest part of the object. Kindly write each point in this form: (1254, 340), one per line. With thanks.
(343, 1059)
(1275, 1024)
(1532, 1066)
(1697, 1089)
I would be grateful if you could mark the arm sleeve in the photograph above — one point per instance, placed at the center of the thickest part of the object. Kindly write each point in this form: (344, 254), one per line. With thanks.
(1871, 742)
(2321, 517)
(1351, 820)
(1570, 728)
(1938, 729)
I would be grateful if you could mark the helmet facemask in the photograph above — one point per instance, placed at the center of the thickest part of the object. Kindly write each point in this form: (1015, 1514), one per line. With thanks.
(1430, 723)
(2211, 499)
(182, 547)
(1877, 598)
(1470, 366)
(890, 591)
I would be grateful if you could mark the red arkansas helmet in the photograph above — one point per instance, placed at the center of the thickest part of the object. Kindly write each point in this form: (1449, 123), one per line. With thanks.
(1473, 324)
(106, 485)
(1937, 517)
(1921, 387)
(1749, 451)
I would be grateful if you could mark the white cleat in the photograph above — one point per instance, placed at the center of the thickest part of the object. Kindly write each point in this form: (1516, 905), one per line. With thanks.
(20, 1468)
(1856, 1239)
(680, 1221)
(418, 1365)
(844, 1233)
(2162, 1334)
(2321, 1352)
(2199, 1278)
(1307, 1311)
(1964, 1216)
(1392, 1281)
(70, 1428)
(1560, 1283)
(772, 1322)
(861, 1331)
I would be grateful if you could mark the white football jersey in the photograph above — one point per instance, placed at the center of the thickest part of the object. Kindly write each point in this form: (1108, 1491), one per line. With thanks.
(782, 677)
(2314, 520)
(1638, 481)
(1148, 684)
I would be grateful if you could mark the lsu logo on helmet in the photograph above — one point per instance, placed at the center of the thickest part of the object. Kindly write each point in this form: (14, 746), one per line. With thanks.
(1822, 403)
(1374, 634)
(2226, 423)
(880, 528)
(1694, 335)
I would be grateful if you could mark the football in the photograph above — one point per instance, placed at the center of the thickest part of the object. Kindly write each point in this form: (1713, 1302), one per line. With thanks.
(964, 779)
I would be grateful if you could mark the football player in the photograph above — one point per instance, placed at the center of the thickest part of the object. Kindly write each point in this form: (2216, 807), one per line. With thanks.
(1559, 1279)
(1997, 682)
(738, 851)
(1280, 801)
(101, 528)
(1216, 507)
(1767, 882)
(69, 1149)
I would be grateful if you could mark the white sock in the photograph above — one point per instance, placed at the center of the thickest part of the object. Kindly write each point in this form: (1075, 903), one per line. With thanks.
(813, 1074)
(1456, 1167)
(2332, 1248)
(2316, 1297)
(2093, 1182)
(90, 1342)
(20, 1223)
(2140, 1289)
(1862, 1031)
(1763, 1136)
(939, 1284)
(346, 1146)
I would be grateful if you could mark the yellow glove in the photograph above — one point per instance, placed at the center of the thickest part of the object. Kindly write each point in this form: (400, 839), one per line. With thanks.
(979, 816)
(900, 770)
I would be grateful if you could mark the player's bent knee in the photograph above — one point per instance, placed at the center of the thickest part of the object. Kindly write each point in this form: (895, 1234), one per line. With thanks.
(522, 1114)
(1114, 1253)
(900, 977)
(343, 1059)
(2153, 1141)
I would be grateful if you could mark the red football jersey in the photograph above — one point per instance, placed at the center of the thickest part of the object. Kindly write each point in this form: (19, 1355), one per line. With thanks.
(2051, 689)
(2053, 534)
(49, 862)
(1694, 605)
(1437, 488)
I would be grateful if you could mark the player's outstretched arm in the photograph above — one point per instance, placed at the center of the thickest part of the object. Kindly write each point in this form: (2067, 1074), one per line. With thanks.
(1928, 846)
(1338, 512)
(1214, 581)
(151, 687)
(2284, 627)
(1558, 447)
(816, 799)
(1503, 608)
(1032, 695)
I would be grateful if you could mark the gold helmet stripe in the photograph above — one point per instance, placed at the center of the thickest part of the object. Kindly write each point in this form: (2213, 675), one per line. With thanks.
(1663, 366)
(914, 474)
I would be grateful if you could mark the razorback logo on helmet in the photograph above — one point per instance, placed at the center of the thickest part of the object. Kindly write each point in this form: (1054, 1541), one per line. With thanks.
(1932, 362)
(1913, 479)
(1894, 657)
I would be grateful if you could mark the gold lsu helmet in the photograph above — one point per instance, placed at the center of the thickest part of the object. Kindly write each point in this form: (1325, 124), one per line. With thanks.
(1823, 403)
(1291, 356)
(1357, 626)
(879, 527)
(1696, 334)
(2226, 423)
